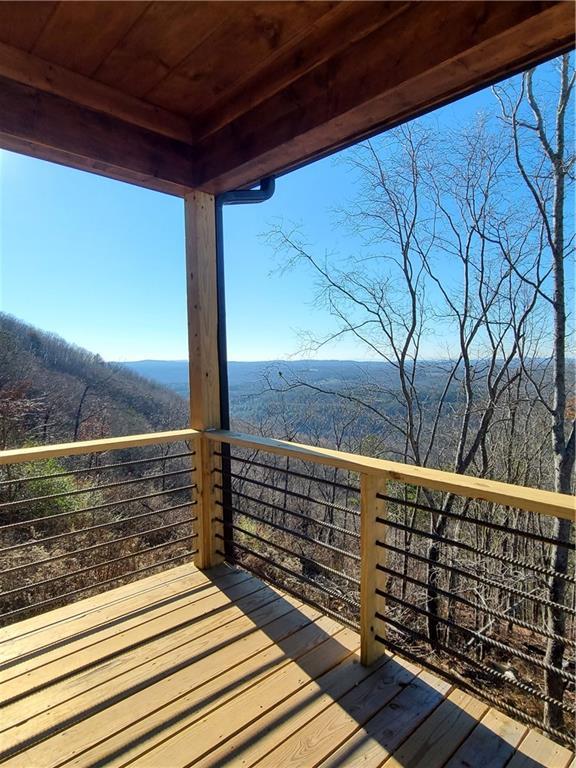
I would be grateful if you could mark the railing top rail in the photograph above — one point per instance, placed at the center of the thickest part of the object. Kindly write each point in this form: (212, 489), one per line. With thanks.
(37, 453)
(517, 496)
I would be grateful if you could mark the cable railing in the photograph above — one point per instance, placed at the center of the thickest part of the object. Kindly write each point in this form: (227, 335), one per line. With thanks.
(465, 586)
(456, 573)
(74, 523)
(296, 525)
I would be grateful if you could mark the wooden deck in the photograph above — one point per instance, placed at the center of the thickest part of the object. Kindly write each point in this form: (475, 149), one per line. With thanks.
(216, 669)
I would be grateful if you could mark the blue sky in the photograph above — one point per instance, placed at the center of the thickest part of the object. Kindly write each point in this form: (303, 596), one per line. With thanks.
(101, 263)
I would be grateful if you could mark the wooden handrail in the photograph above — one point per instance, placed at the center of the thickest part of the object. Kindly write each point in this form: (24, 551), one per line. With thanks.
(517, 496)
(37, 453)
(374, 475)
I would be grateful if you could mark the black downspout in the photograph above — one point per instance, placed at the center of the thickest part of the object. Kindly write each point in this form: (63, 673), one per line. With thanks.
(233, 197)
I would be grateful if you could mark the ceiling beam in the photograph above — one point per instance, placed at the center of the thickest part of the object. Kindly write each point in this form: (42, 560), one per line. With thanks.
(427, 56)
(347, 22)
(52, 78)
(44, 125)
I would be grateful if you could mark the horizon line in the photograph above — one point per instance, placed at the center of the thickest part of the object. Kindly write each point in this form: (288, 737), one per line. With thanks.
(305, 360)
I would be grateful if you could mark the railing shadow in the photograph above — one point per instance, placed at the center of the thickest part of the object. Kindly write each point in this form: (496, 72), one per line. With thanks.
(388, 703)
(385, 704)
(118, 621)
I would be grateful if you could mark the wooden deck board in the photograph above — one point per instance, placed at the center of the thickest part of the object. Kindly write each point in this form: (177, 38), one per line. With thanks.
(80, 653)
(496, 737)
(433, 742)
(102, 689)
(217, 669)
(384, 732)
(536, 750)
(275, 726)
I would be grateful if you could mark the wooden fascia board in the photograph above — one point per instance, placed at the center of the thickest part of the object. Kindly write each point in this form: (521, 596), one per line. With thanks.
(28, 69)
(404, 68)
(51, 127)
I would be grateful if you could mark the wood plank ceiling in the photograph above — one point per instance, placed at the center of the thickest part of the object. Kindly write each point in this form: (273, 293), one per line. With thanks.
(212, 95)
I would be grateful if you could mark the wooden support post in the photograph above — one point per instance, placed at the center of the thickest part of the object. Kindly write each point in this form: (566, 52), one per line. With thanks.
(371, 507)
(206, 476)
(204, 373)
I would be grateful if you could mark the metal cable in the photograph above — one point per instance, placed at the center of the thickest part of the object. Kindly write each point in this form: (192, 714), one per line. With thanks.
(314, 603)
(300, 576)
(300, 515)
(103, 544)
(507, 617)
(492, 672)
(114, 578)
(290, 532)
(91, 548)
(313, 478)
(96, 468)
(478, 635)
(297, 495)
(288, 552)
(482, 580)
(464, 683)
(96, 508)
(482, 523)
(67, 534)
(34, 585)
(469, 548)
(91, 489)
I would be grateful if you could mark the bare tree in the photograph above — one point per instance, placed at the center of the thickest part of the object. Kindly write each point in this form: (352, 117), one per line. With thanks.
(545, 161)
(465, 239)
(426, 211)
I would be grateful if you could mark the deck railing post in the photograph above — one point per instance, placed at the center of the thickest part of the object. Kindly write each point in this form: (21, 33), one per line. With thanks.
(204, 368)
(207, 509)
(371, 508)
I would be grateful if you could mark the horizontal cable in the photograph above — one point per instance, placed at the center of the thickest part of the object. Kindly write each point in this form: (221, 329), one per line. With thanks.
(290, 532)
(91, 489)
(478, 635)
(300, 576)
(300, 515)
(294, 473)
(76, 532)
(460, 680)
(98, 546)
(480, 579)
(96, 508)
(114, 578)
(490, 671)
(314, 603)
(507, 617)
(484, 552)
(95, 468)
(290, 553)
(91, 548)
(36, 584)
(294, 494)
(475, 521)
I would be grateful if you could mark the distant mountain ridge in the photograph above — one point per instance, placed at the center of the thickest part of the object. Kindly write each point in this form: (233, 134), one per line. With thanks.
(53, 391)
(174, 373)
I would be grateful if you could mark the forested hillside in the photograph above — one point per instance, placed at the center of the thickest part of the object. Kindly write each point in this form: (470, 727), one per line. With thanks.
(79, 524)
(52, 391)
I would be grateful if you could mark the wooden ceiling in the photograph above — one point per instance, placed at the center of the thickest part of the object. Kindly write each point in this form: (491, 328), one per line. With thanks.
(213, 95)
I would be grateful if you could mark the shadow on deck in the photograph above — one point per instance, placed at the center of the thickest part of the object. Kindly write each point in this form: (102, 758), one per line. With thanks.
(214, 669)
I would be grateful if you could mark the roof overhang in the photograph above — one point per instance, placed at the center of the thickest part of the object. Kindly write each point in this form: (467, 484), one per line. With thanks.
(354, 69)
